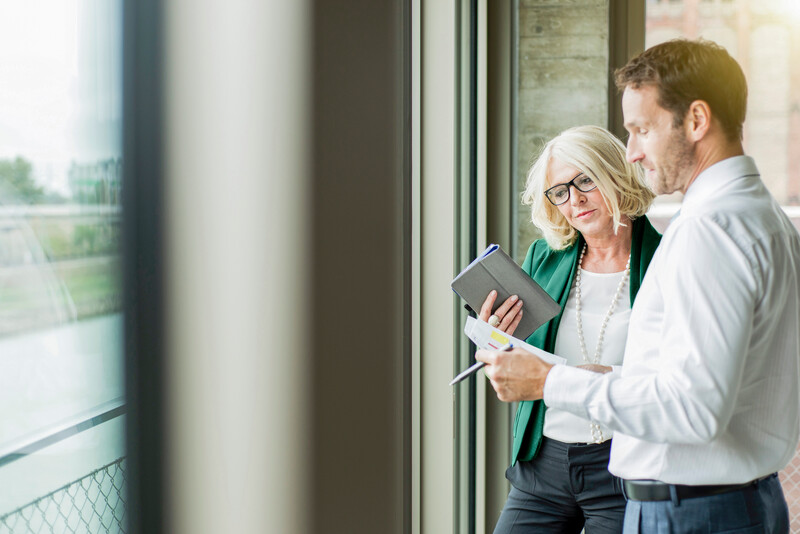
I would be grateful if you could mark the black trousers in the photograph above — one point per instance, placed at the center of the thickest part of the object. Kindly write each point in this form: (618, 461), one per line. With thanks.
(565, 489)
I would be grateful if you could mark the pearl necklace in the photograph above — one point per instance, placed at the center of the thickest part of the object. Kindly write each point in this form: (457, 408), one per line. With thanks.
(597, 433)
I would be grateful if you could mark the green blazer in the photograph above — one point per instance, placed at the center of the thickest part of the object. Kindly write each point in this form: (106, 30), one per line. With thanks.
(554, 270)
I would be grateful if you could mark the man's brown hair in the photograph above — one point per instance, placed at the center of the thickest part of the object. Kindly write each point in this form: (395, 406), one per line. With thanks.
(684, 71)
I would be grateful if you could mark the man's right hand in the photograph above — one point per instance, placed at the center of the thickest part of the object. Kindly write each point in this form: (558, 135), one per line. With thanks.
(516, 375)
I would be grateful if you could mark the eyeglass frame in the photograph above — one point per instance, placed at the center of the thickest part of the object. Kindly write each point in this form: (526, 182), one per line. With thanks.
(573, 184)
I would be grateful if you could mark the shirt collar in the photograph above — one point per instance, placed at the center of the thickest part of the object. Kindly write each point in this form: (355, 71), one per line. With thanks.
(723, 175)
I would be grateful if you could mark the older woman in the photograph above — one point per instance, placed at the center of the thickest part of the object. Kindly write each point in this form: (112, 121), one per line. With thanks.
(589, 204)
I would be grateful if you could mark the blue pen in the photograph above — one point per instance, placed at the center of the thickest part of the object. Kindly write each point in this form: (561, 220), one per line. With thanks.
(472, 369)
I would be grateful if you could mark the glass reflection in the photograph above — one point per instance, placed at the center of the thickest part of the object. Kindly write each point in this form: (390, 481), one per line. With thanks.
(62, 465)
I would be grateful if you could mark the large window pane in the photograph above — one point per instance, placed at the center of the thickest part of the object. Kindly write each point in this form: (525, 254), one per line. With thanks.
(762, 36)
(62, 465)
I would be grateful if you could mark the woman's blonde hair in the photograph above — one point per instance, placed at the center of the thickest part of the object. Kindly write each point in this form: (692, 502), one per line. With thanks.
(598, 154)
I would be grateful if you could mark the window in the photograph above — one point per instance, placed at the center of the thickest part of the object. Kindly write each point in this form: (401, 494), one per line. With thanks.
(62, 427)
(759, 36)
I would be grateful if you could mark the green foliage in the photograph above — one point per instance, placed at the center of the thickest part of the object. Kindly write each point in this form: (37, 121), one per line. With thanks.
(63, 239)
(16, 177)
(96, 239)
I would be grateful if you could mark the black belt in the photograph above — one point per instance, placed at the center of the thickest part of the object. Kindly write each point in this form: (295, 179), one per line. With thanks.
(652, 490)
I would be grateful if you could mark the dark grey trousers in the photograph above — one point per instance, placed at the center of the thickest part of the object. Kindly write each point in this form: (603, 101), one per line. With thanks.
(565, 489)
(757, 509)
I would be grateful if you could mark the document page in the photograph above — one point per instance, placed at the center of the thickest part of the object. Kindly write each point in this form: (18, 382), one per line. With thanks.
(487, 337)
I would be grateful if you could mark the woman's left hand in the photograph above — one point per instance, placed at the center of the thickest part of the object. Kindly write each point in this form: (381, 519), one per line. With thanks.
(509, 313)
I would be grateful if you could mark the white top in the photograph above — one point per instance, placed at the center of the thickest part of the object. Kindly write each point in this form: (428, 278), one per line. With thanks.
(597, 290)
(708, 393)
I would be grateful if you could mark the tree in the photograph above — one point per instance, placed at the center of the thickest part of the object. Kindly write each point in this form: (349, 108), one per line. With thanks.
(16, 179)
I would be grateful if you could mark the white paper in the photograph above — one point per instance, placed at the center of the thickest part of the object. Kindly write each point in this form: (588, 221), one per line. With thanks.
(486, 336)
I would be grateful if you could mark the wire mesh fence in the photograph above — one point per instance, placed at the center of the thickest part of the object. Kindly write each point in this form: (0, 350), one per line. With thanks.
(93, 504)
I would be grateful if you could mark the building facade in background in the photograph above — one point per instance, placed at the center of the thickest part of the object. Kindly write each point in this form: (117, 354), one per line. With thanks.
(762, 35)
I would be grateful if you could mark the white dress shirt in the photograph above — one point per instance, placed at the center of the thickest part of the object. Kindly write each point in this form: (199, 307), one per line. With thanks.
(597, 290)
(708, 392)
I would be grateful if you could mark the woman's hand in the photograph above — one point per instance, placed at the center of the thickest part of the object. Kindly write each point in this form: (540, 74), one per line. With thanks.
(509, 313)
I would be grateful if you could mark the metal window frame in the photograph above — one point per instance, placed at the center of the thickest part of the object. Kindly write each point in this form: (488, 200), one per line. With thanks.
(142, 262)
(626, 23)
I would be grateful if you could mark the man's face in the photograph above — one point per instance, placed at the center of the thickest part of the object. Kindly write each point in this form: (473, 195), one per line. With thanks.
(664, 151)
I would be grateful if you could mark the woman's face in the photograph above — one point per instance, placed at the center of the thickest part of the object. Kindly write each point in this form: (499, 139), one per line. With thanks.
(586, 212)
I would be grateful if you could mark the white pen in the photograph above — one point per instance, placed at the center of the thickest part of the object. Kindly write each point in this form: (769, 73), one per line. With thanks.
(472, 369)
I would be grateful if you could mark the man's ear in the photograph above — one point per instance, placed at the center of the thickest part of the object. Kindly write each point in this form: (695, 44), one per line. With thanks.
(698, 120)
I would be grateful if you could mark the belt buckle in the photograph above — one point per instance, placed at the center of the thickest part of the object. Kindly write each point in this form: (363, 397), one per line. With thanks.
(646, 490)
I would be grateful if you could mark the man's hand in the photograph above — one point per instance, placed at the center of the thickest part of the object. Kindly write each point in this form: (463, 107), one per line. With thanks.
(596, 368)
(516, 374)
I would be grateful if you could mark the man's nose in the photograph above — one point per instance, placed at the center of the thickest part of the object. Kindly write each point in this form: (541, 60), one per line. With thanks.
(632, 151)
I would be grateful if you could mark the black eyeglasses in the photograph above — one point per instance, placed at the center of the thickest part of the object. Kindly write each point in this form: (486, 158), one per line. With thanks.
(558, 194)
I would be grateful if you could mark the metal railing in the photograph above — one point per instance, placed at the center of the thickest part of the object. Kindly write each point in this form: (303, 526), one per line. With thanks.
(92, 504)
(95, 503)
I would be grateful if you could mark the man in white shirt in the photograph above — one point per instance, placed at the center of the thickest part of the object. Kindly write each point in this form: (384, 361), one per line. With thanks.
(707, 407)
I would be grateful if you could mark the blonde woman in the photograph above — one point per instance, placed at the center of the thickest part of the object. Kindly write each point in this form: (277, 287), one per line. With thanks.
(589, 204)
